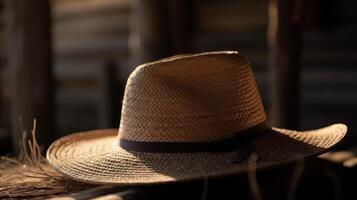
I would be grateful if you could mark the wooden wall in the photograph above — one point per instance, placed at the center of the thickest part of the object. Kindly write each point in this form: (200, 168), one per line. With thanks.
(90, 34)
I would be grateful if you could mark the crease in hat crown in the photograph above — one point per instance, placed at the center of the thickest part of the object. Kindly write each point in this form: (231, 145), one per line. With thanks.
(191, 98)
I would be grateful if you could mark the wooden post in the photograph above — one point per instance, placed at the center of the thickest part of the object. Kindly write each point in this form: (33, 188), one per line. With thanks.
(29, 58)
(182, 20)
(149, 31)
(3, 135)
(108, 110)
(284, 40)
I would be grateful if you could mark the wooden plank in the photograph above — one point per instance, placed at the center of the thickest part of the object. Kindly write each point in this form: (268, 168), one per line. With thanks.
(29, 59)
(82, 9)
(98, 26)
(86, 44)
(99, 192)
(300, 180)
(76, 69)
(347, 158)
(284, 39)
(243, 16)
(91, 47)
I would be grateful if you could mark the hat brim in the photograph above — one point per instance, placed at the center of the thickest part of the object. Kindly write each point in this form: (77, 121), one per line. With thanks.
(96, 157)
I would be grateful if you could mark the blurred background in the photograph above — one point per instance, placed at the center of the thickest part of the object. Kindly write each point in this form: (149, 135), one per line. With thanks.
(65, 62)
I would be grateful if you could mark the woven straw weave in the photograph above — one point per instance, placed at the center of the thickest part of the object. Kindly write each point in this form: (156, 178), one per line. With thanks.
(188, 98)
(185, 99)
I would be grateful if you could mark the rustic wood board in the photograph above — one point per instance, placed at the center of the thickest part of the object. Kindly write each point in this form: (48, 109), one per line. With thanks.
(320, 179)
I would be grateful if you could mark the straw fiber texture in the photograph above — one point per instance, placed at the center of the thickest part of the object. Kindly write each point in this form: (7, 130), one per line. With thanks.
(96, 157)
(204, 97)
(189, 98)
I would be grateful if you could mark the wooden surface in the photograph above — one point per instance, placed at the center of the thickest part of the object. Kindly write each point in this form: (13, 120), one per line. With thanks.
(310, 179)
(30, 63)
(346, 158)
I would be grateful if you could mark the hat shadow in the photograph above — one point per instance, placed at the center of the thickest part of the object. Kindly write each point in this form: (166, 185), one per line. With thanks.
(273, 149)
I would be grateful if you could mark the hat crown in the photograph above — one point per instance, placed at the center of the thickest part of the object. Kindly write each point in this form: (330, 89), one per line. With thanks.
(191, 98)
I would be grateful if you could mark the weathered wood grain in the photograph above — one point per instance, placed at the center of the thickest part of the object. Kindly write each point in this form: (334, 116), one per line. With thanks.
(30, 60)
(149, 31)
(284, 39)
(309, 179)
(108, 105)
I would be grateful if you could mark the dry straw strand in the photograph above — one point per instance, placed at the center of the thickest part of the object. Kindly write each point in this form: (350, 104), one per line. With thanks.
(30, 176)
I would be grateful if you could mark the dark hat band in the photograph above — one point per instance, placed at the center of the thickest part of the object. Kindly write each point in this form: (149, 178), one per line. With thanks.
(231, 144)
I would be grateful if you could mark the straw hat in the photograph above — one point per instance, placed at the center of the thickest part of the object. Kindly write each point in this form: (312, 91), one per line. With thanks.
(183, 118)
